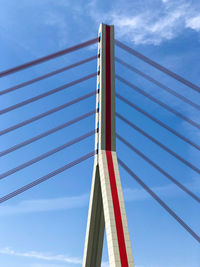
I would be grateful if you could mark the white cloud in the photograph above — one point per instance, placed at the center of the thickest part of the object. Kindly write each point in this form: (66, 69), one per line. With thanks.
(141, 22)
(64, 203)
(41, 205)
(140, 194)
(193, 23)
(75, 202)
(41, 256)
(57, 20)
(143, 29)
(50, 258)
(105, 264)
(46, 265)
(45, 257)
(148, 24)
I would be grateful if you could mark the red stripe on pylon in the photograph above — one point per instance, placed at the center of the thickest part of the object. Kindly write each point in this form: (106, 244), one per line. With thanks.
(108, 90)
(117, 212)
(113, 185)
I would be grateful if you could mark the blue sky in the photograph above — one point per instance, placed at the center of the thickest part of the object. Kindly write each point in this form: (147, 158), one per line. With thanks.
(45, 226)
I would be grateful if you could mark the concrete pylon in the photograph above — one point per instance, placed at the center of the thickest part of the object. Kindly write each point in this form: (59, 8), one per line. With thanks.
(106, 208)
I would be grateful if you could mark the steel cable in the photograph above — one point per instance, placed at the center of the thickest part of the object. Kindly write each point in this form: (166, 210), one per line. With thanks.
(158, 66)
(161, 202)
(155, 100)
(46, 113)
(157, 121)
(48, 93)
(53, 130)
(47, 154)
(48, 57)
(194, 168)
(46, 177)
(50, 74)
(167, 175)
(159, 84)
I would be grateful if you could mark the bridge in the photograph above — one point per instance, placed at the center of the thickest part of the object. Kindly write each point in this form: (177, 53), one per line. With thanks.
(106, 207)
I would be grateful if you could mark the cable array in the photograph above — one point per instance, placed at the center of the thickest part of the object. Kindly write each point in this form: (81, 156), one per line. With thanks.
(48, 57)
(162, 203)
(47, 133)
(154, 140)
(159, 84)
(90, 113)
(48, 75)
(157, 65)
(160, 123)
(167, 175)
(46, 177)
(47, 113)
(48, 93)
(155, 100)
(45, 155)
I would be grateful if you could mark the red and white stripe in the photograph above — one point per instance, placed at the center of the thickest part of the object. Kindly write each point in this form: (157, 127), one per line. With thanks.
(119, 247)
(106, 194)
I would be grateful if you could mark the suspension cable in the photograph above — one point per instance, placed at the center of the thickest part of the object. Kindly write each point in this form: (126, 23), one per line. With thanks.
(50, 74)
(157, 121)
(157, 66)
(165, 106)
(53, 130)
(47, 154)
(161, 202)
(48, 57)
(159, 84)
(53, 91)
(46, 113)
(46, 177)
(167, 175)
(158, 143)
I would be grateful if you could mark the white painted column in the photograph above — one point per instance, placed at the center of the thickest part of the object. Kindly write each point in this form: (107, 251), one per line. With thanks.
(106, 194)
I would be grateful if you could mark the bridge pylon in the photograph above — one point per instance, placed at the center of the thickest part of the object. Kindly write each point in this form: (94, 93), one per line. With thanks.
(106, 208)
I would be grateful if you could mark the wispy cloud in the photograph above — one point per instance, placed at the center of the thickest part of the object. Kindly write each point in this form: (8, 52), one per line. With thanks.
(46, 257)
(46, 265)
(41, 256)
(131, 194)
(167, 191)
(193, 23)
(41, 205)
(145, 29)
(149, 24)
(105, 264)
(56, 20)
(75, 202)
(146, 22)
